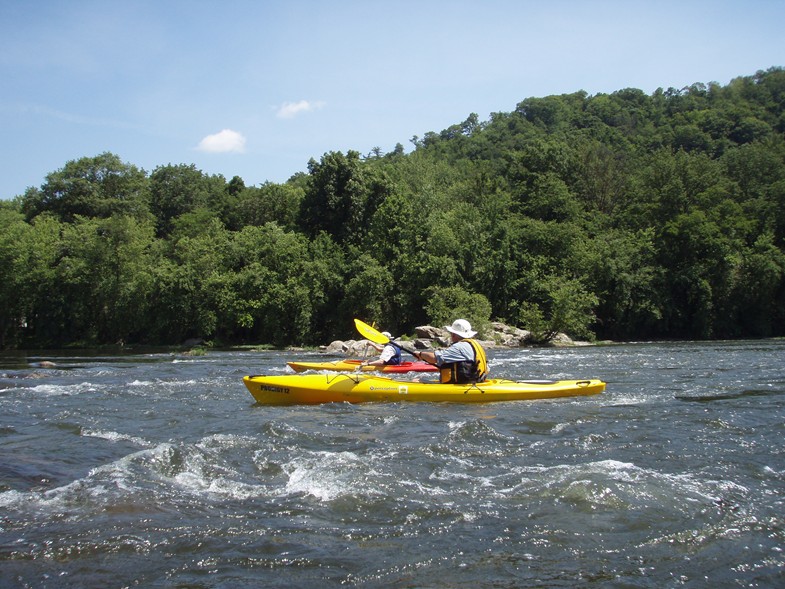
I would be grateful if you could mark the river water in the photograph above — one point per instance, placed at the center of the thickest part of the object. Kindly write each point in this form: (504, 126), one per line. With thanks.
(158, 470)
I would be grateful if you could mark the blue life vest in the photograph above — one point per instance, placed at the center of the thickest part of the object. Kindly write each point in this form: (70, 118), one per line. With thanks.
(396, 359)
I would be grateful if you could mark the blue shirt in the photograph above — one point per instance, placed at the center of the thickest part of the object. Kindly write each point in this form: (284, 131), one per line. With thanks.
(460, 351)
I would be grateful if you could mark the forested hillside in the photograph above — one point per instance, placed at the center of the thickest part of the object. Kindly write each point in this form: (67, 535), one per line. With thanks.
(614, 216)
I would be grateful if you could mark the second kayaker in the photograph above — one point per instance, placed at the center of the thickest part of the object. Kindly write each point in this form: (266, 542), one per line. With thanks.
(390, 354)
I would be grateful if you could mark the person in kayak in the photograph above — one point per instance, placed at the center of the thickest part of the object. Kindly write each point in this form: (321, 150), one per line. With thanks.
(390, 354)
(464, 361)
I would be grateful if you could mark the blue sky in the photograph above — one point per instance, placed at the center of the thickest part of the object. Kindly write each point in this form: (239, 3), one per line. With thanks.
(256, 89)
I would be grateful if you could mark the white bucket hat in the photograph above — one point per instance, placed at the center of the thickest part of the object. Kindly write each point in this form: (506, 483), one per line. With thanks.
(461, 328)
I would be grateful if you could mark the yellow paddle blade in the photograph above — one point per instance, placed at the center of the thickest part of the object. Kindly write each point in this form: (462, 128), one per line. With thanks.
(370, 333)
(378, 337)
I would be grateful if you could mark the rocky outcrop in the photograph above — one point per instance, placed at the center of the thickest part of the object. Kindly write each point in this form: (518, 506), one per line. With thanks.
(354, 348)
(428, 337)
(511, 337)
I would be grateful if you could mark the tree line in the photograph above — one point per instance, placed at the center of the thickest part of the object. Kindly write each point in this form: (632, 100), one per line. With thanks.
(611, 216)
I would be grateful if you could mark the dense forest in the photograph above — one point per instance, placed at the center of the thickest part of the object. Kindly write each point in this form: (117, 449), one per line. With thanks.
(614, 216)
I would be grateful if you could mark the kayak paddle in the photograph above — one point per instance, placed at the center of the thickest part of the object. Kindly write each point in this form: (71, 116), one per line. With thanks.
(376, 337)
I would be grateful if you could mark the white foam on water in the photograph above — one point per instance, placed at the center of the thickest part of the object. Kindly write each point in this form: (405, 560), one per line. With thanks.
(195, 482)
(188, 382)
(132, 479)
(13, 499)
(115, 437)
(188, 469)
(622, 485)
(328, 475)
(198, 471)
(426, 491)
(389, 419)
(141, 383)
(54, 390)
(225, 441)
(464, 480)
(630, 399)
(72, 501)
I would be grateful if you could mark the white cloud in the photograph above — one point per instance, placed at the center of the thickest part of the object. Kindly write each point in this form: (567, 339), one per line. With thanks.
(289, 110)
(222, 142)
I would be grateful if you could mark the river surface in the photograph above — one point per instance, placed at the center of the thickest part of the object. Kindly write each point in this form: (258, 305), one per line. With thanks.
(159, 470)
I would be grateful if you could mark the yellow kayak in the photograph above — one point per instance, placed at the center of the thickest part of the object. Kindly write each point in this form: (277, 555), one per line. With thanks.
(352, 365)
(310, 389)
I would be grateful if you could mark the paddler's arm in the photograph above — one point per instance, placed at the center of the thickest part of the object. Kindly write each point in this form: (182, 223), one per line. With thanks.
(428, 357)
(376, 347)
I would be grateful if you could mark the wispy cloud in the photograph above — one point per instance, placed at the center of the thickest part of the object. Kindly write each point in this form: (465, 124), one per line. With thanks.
(223, 142)
(45, 111)
(289, 110)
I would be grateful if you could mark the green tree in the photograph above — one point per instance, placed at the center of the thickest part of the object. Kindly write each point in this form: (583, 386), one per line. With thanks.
(369, 292)
(446, 304)
(621, 268)
(698, 274)
(341, 197)
(270, 202)
(182, 295)
(602, 176)
(104, 274)
(16, 269)
(123, 269)
(560, 305)
(179, 189)
(90, 187)
(759, 292)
